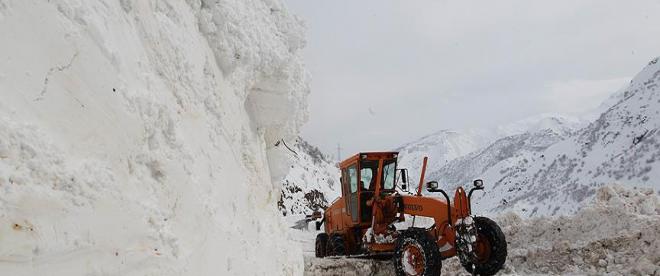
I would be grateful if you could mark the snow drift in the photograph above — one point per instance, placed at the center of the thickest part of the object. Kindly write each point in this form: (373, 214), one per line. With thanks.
(138, 137)
(615, 234)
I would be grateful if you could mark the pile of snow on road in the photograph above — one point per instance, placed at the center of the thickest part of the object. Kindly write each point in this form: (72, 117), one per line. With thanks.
(617, 233)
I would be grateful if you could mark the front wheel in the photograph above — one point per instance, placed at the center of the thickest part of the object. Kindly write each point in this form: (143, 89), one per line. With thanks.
(336, 246)
(416, 253)
(321, 245)
(490, 248)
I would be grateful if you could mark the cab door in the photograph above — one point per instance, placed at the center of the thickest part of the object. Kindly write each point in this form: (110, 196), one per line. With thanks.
(352, 196)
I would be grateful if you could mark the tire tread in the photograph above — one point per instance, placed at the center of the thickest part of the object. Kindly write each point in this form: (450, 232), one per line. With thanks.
(493, 232)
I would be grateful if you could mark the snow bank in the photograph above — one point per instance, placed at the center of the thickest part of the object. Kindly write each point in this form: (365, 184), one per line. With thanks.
(616, 234)
(138, 137)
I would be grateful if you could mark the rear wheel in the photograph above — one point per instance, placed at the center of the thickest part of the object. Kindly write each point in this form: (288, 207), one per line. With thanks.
(336, 245)
(321, 245)
(490, 248)
(416, 253)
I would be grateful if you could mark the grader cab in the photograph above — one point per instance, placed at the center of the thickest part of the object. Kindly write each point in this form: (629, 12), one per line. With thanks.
(375, 216)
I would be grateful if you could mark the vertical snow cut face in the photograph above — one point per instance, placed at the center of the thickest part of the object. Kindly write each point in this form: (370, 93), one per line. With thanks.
(138, 137)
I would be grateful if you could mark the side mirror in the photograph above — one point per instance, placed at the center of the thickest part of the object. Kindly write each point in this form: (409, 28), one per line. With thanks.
(404, 180)
(432, 186)
(479, 184)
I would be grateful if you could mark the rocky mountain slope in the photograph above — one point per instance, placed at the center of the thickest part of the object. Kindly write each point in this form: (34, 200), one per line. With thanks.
(311, 184)
(620, 146)
(463, 170)
(550, 165)
(457, 148)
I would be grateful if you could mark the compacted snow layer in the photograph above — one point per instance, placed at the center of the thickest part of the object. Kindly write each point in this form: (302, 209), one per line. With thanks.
(138, 137)
(616, 234)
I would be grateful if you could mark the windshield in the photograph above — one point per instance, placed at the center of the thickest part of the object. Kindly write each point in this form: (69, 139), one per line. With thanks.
(368, 170)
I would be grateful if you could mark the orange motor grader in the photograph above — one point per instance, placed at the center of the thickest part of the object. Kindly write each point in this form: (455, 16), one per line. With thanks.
(375, 216)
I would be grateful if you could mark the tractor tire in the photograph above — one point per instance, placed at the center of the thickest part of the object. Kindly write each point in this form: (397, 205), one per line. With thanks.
(336, 246)
(321, 245)
(416, 253)
(491, 248)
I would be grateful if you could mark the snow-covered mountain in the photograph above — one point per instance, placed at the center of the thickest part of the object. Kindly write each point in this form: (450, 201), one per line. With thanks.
(311, 184)
(463, 170)
(137, 137)
(622, 146)
(551, 164)
(445, 146)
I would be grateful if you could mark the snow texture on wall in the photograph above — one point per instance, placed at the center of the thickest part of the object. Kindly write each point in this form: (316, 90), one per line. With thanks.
(137, 137)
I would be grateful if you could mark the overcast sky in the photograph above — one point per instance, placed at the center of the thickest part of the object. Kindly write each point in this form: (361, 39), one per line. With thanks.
(385, 72)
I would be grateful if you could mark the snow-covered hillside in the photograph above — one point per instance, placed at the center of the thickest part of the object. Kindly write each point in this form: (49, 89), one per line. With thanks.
(550, 164)
(622, 145)
(138, 137)
(312, 183)
(445, 146)
(463, 170)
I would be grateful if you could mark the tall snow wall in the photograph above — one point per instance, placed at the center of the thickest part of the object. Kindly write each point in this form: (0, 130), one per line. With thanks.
(138, 137)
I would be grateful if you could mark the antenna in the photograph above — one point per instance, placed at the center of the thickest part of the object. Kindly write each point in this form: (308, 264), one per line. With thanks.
(338, 152)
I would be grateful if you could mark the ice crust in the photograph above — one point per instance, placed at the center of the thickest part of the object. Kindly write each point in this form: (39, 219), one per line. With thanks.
(137, 137)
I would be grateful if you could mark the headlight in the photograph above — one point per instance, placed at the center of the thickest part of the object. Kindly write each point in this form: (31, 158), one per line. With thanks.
(432, 185)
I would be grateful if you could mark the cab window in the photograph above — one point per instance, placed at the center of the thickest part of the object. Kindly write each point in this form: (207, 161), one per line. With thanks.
(368, 171)
(352, 176)
(344, 182)
(389, 167)
(366, 175)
